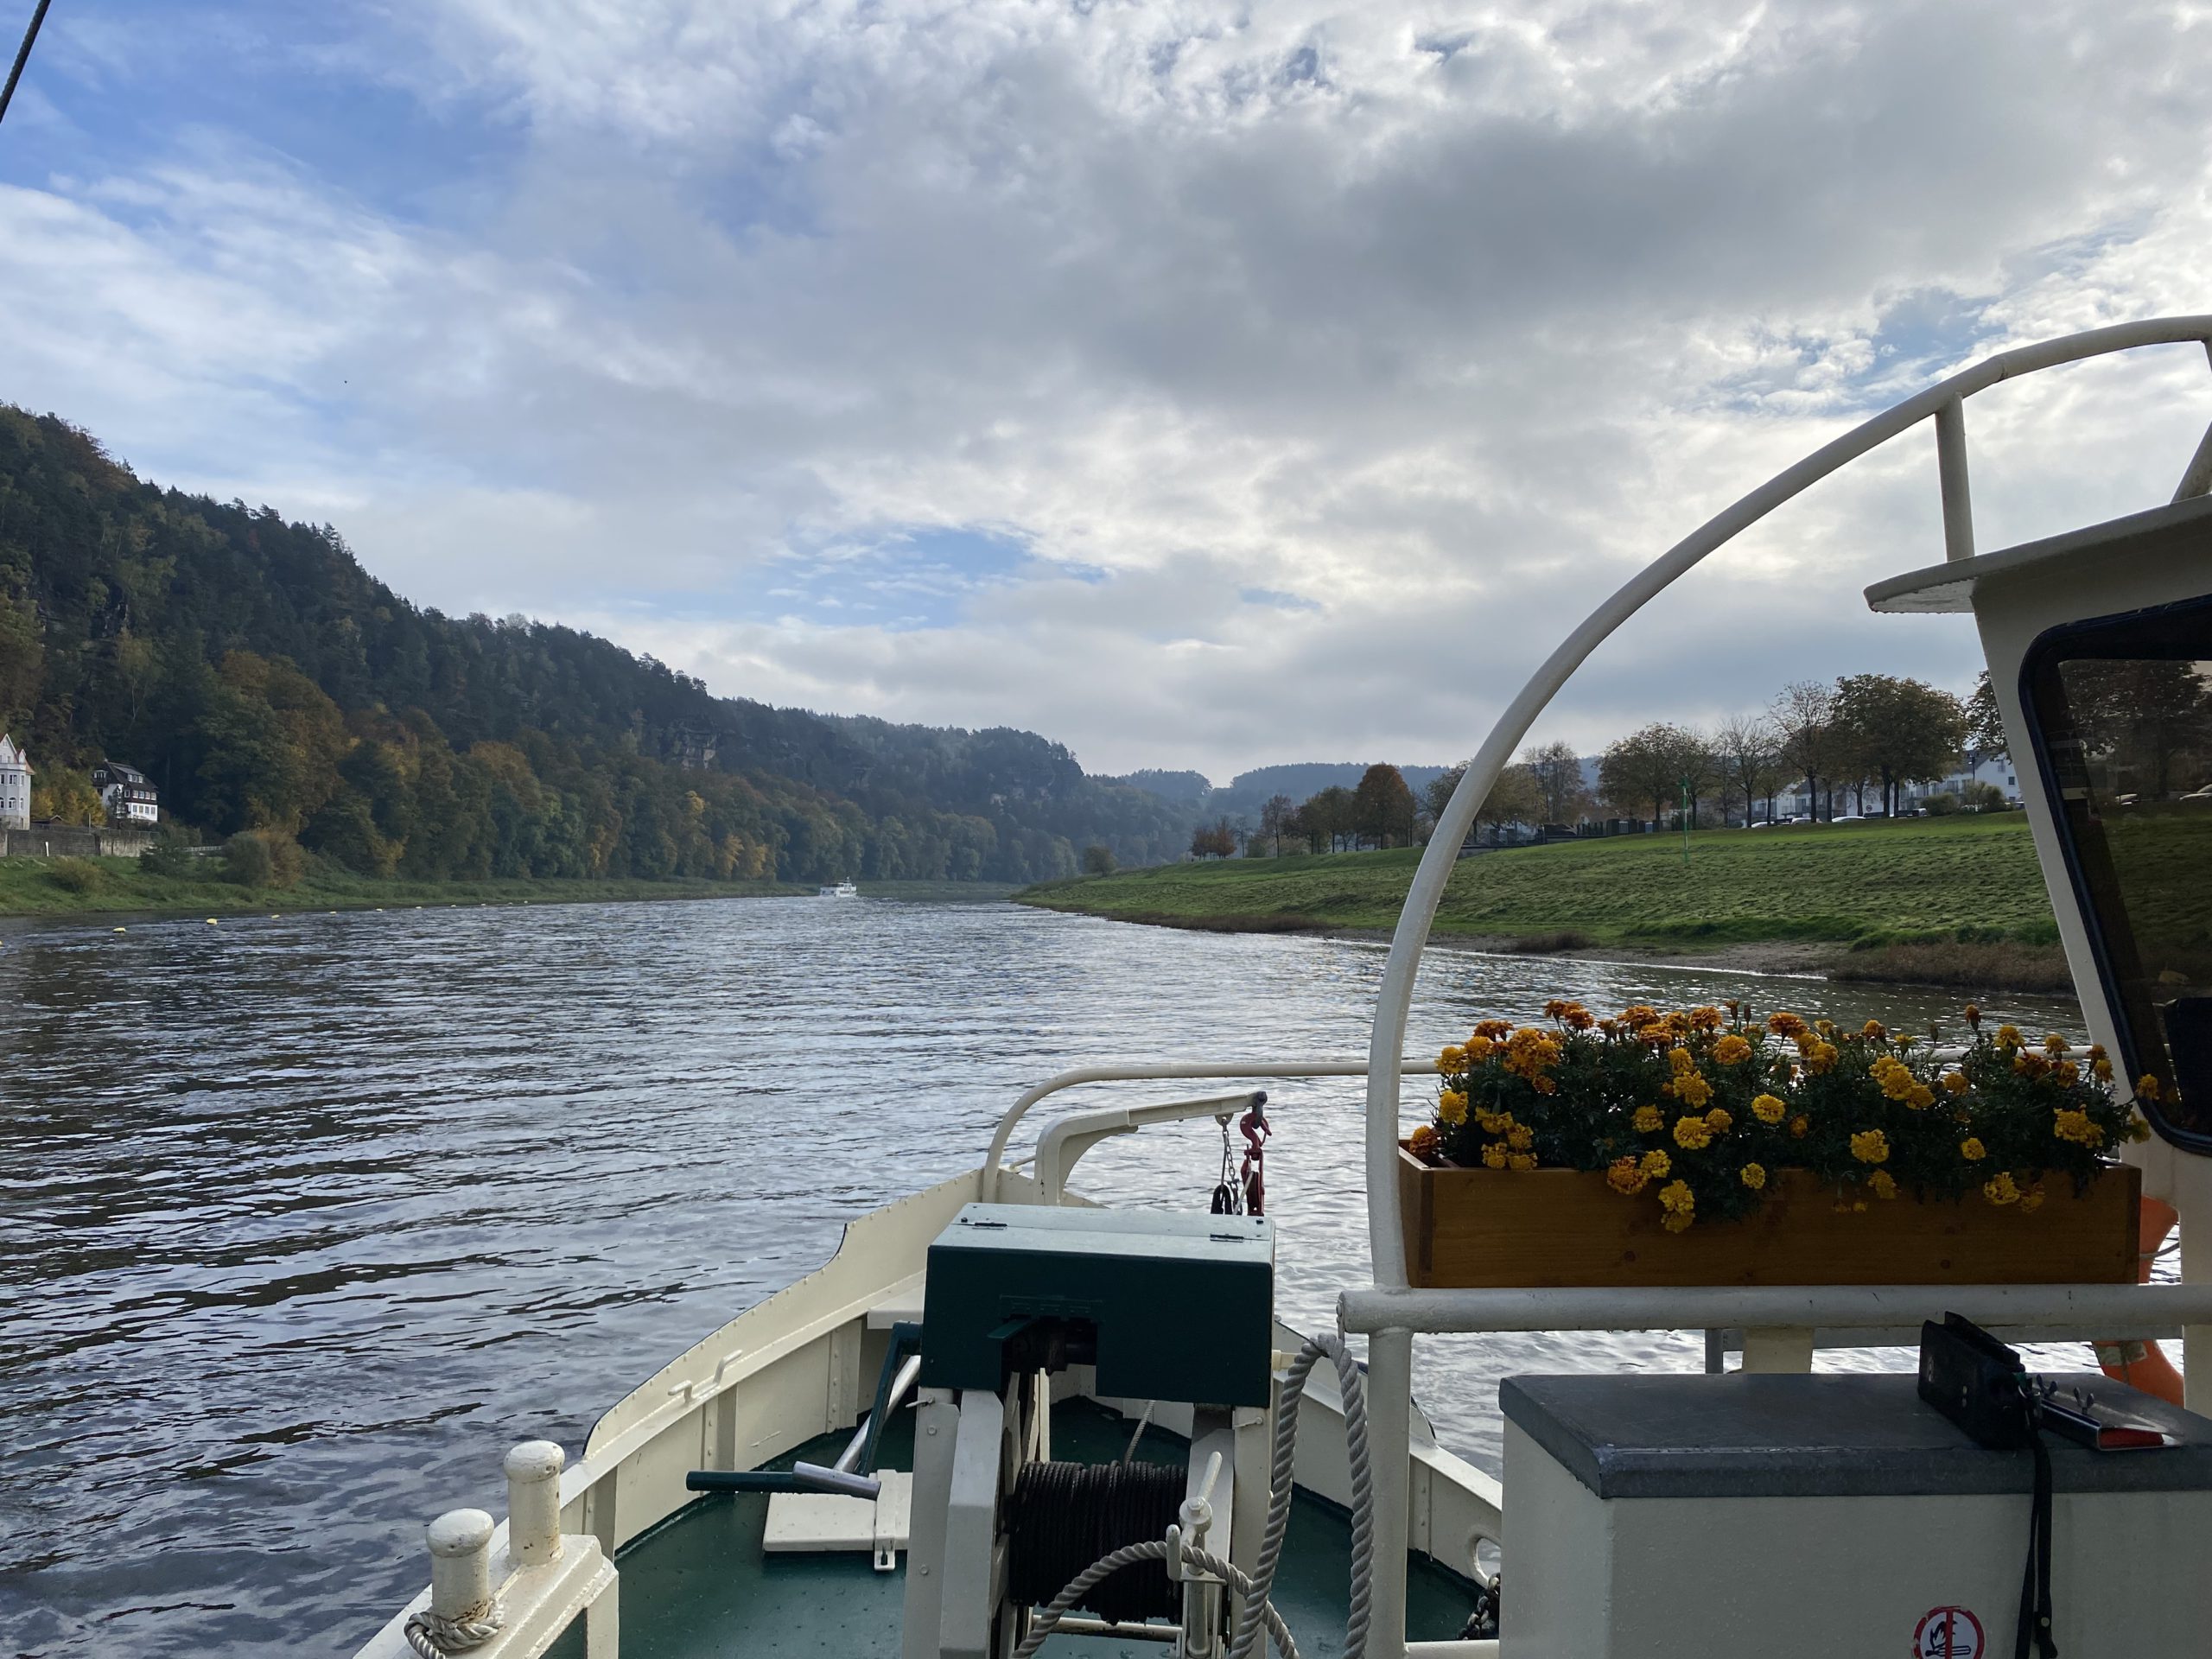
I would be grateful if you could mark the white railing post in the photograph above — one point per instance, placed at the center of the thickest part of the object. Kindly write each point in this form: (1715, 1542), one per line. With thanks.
(1951, 475)
(533, 1471)
(461, 1565)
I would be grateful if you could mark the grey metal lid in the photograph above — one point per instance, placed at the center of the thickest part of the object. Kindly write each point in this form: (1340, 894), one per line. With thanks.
(1832, 1436)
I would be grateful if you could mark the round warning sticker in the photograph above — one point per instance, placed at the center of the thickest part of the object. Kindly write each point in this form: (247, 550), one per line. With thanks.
(1947, 1633)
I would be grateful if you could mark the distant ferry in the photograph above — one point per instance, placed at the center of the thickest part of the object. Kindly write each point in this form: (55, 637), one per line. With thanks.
(842, 890)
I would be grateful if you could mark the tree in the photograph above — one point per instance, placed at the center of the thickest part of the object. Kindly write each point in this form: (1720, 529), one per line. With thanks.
(1557, 771)
(1274, 820)
(1097, 861)
(1330, 818)
(63, 795)
(1383, 806)
(1804, 716)
(1651, 767)
(1744, 750)
(1514, 799)
(1985, 722)
(1214, 840)
(1900, 730)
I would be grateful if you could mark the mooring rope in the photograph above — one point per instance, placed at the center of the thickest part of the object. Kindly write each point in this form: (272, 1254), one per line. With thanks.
(434, 1636)
(1152, 1549)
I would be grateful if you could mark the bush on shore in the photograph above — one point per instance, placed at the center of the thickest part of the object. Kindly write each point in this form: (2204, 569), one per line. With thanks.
(75, 874)
(263, 858)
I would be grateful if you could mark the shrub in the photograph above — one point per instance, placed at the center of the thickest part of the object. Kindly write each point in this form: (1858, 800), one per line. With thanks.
(263, 858)
(1097, 861)
(1939, 806)
(75, 874)
(170, 854)
(1983, 797)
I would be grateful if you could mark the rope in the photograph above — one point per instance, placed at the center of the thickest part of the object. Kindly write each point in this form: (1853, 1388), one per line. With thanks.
(1061, 1515)
(1152, 1549)
(433, 1636)
(1257, 1605)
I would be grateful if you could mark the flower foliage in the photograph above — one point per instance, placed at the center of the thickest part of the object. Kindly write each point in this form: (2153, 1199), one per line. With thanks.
(1696, 1109)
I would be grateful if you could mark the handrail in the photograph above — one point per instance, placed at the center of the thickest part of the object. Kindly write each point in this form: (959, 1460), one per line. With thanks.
(1390, 1348)
(987, 1182)
(1061, 1146)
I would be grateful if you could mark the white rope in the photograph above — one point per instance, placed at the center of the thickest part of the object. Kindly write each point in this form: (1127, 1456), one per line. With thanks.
(1352, 1386)
(1152, 1549)
(433, 1636)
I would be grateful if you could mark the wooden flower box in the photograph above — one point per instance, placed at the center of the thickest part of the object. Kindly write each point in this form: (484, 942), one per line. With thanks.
(1549, 1228)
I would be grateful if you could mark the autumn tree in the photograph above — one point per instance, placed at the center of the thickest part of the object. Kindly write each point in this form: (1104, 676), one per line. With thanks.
(1658, 765)
(1214, 840)
(1383, 806)
(1901, 731)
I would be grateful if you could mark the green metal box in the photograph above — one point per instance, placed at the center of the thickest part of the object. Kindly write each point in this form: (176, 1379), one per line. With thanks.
(1180, 1308)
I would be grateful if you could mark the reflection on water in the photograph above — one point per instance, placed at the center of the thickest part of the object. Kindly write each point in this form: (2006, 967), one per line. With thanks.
(303, 1221)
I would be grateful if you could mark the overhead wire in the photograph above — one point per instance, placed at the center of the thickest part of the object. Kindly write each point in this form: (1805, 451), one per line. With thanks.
(22, 57)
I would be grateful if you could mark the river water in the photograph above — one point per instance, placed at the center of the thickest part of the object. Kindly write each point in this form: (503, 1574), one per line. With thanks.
(303, 1221)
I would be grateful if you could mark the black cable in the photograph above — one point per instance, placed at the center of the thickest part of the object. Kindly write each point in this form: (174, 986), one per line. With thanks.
(1063, 1516)
(22, 57)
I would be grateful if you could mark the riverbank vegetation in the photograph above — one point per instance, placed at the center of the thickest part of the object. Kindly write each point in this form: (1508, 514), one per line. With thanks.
(1960, 893)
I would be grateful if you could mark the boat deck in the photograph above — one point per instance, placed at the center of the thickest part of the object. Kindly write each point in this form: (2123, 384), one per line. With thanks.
(700, 1587)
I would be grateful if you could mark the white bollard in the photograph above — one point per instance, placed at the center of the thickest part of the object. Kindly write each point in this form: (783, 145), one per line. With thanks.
(534, 1503)
(460, 1564)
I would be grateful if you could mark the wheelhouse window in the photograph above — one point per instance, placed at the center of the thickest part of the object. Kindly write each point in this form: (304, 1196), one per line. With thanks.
(2122, 715)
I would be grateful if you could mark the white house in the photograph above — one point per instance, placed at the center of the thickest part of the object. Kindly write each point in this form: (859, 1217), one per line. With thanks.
(130, 799)
(15, 785)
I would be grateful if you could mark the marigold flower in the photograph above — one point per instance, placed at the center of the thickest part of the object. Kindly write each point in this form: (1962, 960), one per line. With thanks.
(1657, 1164)
(2094, 1052)
(1691, 1090)
(1681, 1060)
(1678, 1221)
(1957, 1082)
(2101, 1070)
(2056, 1044)
(1626, 1176)
(1874, 1030)
(1973, 1016)
(1520, 1138)
(2067, 1072)
(1920, 1098)
(2008, 1036)
(1718, 1121)
(1647, 1119)
(1578, 1019)
(2077, 1125)
(1479, 1048)
(1493, 1029)
(1905, 1040)
(1785, 1025)
(1882, 1184)
(2002, 1189)
(1769, 1108)
(2147, 1087)
(1753, 1176)
(1638, 1014)
(1693, 1133)
(1732, 1050)
(1424, 1141)
(1677, 1196)
(1453, 1058)
(2138, 1127)
(1555, 1007)
(1452, 1107)
(1971, 1150)
(1494, 1155)
(1800, 1125)
(1489, 1122)
(1871, 1146)
(1522, 1161)
(1704, 1018)
(1820, 1058)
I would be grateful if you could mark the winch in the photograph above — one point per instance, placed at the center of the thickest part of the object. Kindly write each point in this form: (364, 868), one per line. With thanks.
(1159, 1310)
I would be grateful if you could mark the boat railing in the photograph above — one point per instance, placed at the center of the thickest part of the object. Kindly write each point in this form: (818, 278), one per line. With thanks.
(987, 1179)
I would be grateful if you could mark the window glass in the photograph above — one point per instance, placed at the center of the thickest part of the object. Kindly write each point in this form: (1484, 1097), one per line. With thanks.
(2123, 709)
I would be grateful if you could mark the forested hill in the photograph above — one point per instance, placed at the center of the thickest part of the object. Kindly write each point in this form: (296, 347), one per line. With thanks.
(264, 680)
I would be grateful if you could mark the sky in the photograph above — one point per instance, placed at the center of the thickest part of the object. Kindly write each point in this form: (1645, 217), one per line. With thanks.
(1204, 383)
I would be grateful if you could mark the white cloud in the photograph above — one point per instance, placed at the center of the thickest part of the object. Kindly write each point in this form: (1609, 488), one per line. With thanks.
(1438, 321)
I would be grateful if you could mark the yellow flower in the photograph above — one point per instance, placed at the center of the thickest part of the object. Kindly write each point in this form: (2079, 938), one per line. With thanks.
(1718, 1122)
(2096, 1051)
(2056, 1044)
(2008, 1037)
(1647, 1119)
(1453, 1058)
(2147, 1087)
(1477, 1049)
(2001, 1191)
(1920, 1097)
(1820, 1057)
(1490, 1030)
(1752, 1175)
(1677, 1196)
(1871, 1146)
(1692, 1133)
(1706, 1018)
(1678, 1221)
(1691, 1089)
(1769, 1108)
(1784, 1024)
(1883, 1184)
(1656, 1164)
(1732, 1050)
(1681, 1060)
(1957, 1082)
(1638, 1014)
(1973, 1016)
(2067, 1072)
(2101, 1069)
(1626, 1176)
(1521, 1160)
(2138, 1127)
(1577, 1018)
(1895, 1076)
(1971, 1150)
(1872, 1029)
(1520, 1138)
(1494, 1155)
(1800, 1125)
(1451, 1106)
(1555, 1007)
(2077, 1125)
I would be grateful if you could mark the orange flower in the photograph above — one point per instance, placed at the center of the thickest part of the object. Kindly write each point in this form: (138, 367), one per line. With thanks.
(1732, 1050)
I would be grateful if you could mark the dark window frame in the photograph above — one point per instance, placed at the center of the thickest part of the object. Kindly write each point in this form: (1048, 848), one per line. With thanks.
(2039, 664)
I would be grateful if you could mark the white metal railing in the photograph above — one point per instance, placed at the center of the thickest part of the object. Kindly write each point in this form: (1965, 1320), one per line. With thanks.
(1390, 1346)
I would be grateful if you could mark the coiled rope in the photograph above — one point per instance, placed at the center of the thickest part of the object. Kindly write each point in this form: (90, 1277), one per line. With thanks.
(1352, 1386)
(1060, 1516)
(1152, 1549)
(433, 1636)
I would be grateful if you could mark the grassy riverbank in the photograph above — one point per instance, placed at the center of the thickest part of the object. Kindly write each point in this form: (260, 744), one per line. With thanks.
(37, 886)
(1950, 900)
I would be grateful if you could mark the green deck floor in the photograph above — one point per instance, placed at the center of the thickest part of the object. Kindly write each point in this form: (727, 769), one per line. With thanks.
(699, 1585)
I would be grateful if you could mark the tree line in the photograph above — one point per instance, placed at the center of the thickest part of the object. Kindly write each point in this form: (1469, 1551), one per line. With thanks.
(267, 683)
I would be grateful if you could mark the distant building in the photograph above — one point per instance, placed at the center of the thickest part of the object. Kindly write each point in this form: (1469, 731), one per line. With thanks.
(15, 785)
(130, 799)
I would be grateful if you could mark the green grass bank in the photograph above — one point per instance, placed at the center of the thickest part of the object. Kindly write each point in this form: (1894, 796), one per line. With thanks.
(1955, 900)
(38, 886)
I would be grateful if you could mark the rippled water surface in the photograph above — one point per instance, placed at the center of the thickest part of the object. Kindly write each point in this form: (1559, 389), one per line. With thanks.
(303, 1221)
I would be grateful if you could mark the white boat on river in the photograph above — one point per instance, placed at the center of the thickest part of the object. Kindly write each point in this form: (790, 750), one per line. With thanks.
(1003, 1419)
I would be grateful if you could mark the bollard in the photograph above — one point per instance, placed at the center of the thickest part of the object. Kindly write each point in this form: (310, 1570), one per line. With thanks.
(461, 1565)
(533, 1503)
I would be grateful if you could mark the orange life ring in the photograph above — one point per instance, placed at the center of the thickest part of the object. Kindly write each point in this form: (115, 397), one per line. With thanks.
(2142, 1364)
